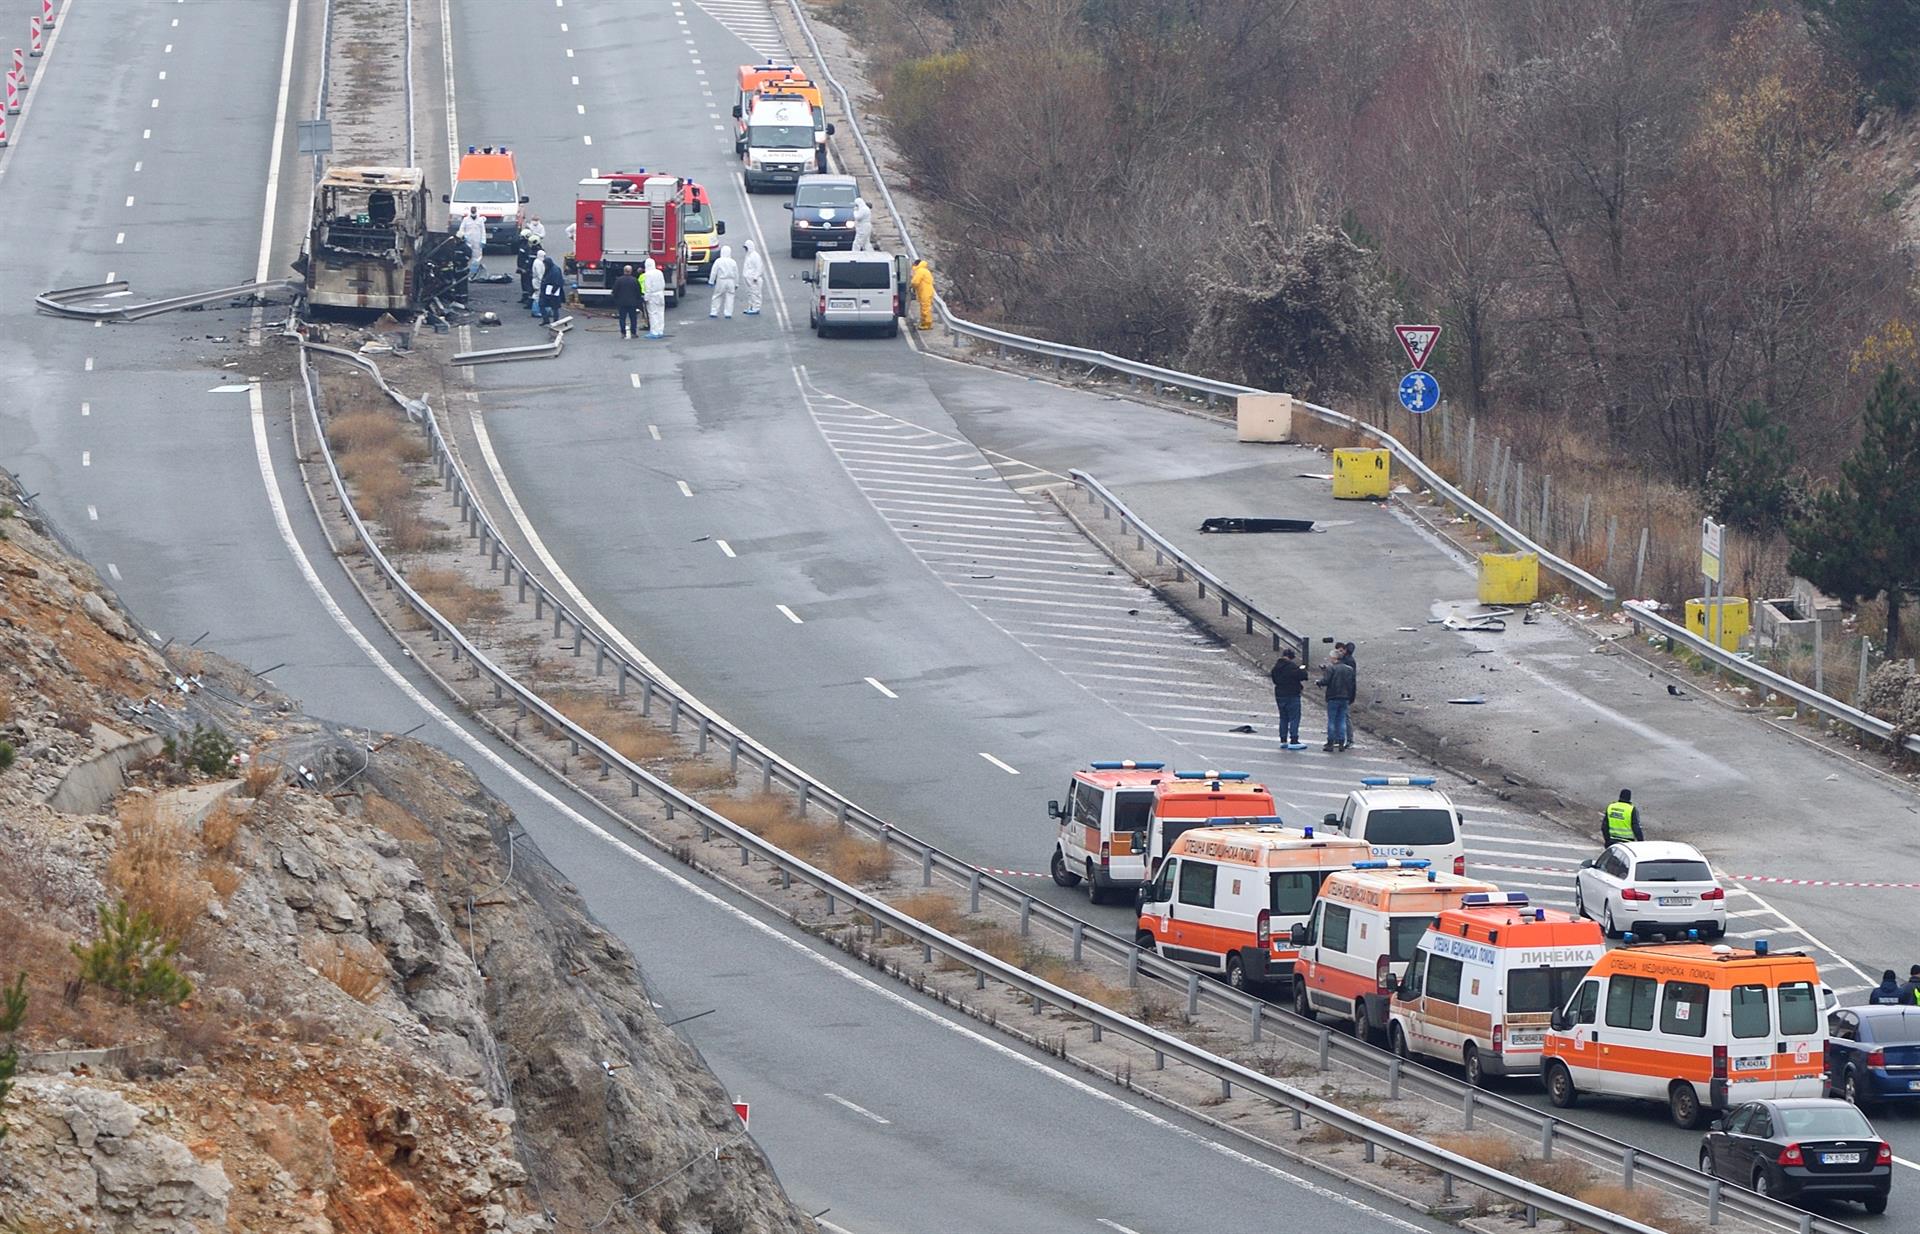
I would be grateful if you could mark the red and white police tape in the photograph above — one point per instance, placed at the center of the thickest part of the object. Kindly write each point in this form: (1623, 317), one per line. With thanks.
(1769, 879)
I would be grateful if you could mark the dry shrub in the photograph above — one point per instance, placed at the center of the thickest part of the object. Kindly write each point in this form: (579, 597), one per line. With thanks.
(1080, 981)
(6, 708)
(759, 812)
(458, 600)
(1640, 1204)
(363, 430)
(224, 879)
(1559, 1174)
(997, 941)
(637, 739)
(151, 867)
(351, 965)
(932, 908)
(1498, 1151)
(220, 829)
(394, 819)
(260, 778)
(856, 859)
(700, 777)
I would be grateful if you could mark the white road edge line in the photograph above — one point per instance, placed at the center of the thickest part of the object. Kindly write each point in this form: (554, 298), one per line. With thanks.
(862, 1111)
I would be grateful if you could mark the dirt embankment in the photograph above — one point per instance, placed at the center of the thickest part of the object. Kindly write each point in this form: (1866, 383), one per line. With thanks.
(315, 1005)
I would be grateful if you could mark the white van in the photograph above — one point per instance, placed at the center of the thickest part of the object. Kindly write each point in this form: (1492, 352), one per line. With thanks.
(1404, 817)
(1699, 1027)
(1103, 827)
(1366, 926)
(1485, 981)
(779, 147)
(1227, 898)
(854, 291)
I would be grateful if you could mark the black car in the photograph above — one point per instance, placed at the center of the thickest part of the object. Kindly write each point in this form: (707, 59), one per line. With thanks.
(1801, 1148)
(822, 214)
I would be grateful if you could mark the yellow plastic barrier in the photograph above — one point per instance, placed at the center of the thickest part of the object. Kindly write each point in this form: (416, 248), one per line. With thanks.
(1734, 618)
(1361, 474)
(1509, 578)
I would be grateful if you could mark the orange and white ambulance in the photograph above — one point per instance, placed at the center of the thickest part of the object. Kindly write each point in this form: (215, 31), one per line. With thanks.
(1699, 1027)
(1486, 978)
(1366, 925)
(1103, 826)
(1190, 799)
(1227, 897)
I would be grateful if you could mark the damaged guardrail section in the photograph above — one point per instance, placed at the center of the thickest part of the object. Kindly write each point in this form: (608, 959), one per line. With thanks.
(1550, 1133)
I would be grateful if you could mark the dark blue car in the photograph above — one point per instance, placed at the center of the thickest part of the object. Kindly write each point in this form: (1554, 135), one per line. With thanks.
(1873, 1054)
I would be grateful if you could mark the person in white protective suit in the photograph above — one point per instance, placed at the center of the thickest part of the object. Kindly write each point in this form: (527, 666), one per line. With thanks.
(725, 277)
(536, 276)
(752, 272)
(473, 230)
(654, 284)
(862, 225)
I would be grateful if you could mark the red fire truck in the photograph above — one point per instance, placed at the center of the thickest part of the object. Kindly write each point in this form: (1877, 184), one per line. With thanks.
(622, 218)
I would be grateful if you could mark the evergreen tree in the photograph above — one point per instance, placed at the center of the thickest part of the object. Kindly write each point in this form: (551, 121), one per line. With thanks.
(13, 1013)
(1880, 39)
(1751, 486)
(1863, 535)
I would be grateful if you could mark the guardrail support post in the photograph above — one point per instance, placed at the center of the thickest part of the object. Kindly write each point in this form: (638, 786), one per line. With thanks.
(1226, 1091)
(766, 774)
(1366, 1150)
(1298, 1121)
(1446, 1185)
(926, 868)
(1259, 1014)
(646, 697)
(706, 832)
(1393, 1078)
(599, 657)
(1533, 1217)
(980, 979)
(806, 793)
(829, 904)
(1079, 934)
(523, 589)
(746, 854)
(733, 753)
(1546, 1139)
(1159, 1060)
(973, 893)
(1193, 994)
(1466, 1109)
(1326, 1044)
(673, 717)
(700, 743)
(539, 601)
(1037, 1006)
(926, 953)
(786, 879)
(1713, 1201)
(1627, 1156)
(1133, 967)
(1096, 1032)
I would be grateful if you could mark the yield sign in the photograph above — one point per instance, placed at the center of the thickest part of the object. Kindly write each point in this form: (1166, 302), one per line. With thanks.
(1419, 341)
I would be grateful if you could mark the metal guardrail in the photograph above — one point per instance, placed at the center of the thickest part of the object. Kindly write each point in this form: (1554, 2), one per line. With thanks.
(1086, 940)
(1779, 683)
(89, 302)
(1232, 1075)
(549, 350)
(1183, 567)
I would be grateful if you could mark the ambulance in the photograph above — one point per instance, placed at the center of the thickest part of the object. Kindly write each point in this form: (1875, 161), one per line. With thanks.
(1202, 799)
(488, 180)
(772, 77)
(1366, 926)
(1485, 980)
(1700, 1027)
(1227, 897)
(1103, 827)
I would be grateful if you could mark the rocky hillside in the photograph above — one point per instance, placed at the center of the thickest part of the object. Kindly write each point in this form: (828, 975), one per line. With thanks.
(265, 1000)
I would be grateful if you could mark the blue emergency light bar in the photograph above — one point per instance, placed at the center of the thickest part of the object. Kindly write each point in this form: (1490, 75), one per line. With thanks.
(1759, 946)
(1263, 820)
(1398, 781)
(1211, 775)
(1478, 899)
(1395, 863)
(1125, 764)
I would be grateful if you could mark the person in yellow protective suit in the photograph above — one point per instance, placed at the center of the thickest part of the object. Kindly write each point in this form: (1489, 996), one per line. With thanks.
(921, 281)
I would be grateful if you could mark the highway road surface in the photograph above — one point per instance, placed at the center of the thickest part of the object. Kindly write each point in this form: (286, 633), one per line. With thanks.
(185, 496)
(841, 544)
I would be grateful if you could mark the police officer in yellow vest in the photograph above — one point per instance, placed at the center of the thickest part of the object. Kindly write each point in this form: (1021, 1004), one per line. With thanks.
(1622, 821)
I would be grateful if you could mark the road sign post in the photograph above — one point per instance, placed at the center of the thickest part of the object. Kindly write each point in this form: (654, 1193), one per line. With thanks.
(1713, 540)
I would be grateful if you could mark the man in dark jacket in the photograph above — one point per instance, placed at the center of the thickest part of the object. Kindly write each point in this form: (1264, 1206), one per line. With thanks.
(1887, 993)
(1910, 988)
(627, 300)
(1339, 682)
(553, 293)
(1289, 676)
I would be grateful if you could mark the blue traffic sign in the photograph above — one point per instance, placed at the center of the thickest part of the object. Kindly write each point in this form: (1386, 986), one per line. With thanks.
(1419, 392)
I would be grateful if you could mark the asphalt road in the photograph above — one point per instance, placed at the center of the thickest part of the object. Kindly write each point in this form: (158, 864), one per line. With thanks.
(189, 504)
(698, 491)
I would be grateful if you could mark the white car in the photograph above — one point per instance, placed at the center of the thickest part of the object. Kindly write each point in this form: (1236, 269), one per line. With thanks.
(1651, 887)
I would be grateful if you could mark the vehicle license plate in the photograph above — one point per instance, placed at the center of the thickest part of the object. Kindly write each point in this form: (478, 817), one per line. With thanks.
(841, 302)
(1675, 901)
(1840, 1158)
